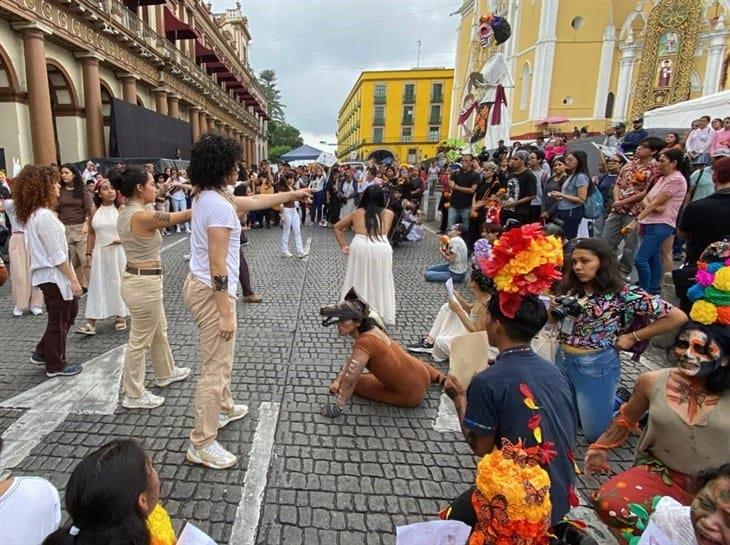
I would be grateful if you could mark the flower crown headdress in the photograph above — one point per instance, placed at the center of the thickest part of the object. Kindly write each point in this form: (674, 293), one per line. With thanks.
(711, 293)
(523, 262)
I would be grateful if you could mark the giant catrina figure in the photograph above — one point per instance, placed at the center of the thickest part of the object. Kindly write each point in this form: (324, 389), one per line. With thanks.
(493, 27)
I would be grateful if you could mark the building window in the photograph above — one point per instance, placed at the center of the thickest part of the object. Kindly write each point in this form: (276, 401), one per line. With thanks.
(412, 155)
(409, 93)
(379, 116)
(106, 103)
(433, 134)
(380, 93)
(610, 99)
(378, 135)
(5, 82)
(437, 92)
(407, 134)
(407, 115)
(435, 118)
(61, 94)
(526, 83)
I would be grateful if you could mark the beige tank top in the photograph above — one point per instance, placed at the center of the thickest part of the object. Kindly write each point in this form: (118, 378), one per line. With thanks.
(138, 249)
(681, 447)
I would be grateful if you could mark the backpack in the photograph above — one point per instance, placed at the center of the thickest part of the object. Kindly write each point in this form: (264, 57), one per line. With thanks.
(593, 205)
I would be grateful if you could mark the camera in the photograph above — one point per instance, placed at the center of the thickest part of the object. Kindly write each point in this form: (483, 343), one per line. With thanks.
(566, 306)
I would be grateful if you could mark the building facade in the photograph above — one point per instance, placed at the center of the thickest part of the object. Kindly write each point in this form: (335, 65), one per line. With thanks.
(62, 62)
(398, 114)
(598, 62)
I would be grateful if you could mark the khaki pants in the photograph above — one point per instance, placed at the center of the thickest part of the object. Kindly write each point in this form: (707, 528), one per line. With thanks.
(24, 294)
(213, 393)
(148, 331)
(76, 239)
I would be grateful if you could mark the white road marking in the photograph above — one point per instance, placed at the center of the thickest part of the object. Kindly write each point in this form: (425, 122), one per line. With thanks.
(95, 391)
(248, 513)
(173, 244)
(308, 245)
(447, 419)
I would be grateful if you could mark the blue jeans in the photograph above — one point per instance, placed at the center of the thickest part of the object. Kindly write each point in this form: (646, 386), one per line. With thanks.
(648, 259)
(459, 215)
(441, 273)
(317, 206)
(593, 379)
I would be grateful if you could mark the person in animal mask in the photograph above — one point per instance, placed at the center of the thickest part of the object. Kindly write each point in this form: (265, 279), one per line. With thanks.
(395, 377)
(687, 430)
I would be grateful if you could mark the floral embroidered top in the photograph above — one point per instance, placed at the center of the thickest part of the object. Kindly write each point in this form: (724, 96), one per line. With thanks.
(632, 180)
(606, 316)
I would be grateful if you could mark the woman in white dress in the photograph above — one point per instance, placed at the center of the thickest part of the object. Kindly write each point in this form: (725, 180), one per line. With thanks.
(457, 317)
(370, 256)
(348, 189)
(105, 256)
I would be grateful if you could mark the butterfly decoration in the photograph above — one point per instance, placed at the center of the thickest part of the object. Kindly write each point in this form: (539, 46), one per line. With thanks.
(492, 517)
(533, 496)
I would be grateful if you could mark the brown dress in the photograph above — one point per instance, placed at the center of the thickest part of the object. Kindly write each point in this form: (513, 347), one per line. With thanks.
(395, 377)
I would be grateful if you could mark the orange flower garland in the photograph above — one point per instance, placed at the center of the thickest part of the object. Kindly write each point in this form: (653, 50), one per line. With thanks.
(160, 527)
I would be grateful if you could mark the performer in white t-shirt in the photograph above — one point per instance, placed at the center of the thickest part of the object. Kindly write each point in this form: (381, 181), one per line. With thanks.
(210, 288)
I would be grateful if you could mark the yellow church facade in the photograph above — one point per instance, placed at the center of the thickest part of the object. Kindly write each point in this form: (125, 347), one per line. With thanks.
(400, 115)
(595, 62)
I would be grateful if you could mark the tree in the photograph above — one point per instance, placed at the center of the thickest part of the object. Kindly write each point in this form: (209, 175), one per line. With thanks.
(282, 138)
(272, 95)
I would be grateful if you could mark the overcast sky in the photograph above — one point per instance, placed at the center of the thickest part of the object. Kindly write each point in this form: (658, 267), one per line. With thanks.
(319, 47)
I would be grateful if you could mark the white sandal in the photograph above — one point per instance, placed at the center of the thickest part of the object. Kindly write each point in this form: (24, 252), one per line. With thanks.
(86, 329)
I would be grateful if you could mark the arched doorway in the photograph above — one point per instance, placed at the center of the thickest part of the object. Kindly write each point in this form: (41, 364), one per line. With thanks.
(106, 109)
(65, 111)
(9, 112)
(382, 156)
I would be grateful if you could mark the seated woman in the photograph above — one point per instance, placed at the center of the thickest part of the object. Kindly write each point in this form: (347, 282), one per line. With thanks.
(687, 431)
(113, 497)
(457, 317)
(395, 377)
(707, 520)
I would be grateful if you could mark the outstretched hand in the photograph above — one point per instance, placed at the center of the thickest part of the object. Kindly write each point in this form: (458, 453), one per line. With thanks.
(304, 195)
(452, 387)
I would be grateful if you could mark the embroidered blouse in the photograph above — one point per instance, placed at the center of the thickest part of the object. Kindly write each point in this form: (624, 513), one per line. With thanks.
(606, 316)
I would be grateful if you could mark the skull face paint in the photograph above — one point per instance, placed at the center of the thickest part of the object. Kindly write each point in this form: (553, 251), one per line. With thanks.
(485, 31)
(695, 353)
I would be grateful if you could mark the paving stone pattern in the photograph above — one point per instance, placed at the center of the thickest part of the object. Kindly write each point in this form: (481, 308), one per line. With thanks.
(345, 481)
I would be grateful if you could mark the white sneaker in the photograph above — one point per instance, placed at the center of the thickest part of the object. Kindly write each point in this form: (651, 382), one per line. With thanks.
(177, 228)
(17, 312)
(187, 229)
(178, 374)
(36, 311)
(286, 254)
(214, 455)
(145, 401)
(238, 412)
(302, 255)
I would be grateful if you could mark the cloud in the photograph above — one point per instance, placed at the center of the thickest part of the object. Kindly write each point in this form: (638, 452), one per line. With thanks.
(319, 47)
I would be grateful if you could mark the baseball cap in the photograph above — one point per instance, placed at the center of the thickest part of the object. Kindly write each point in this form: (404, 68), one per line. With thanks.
(721, 152)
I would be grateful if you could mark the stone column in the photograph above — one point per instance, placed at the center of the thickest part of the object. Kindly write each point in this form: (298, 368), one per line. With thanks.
(625, 74)
(218, 126)
(604, 71)
(160, 101)
(160, 20)
(202, 122)
(39, 97)
(173, 106)
(211, 122)
(92, 105)
(715, 58)
(544, 59)
(194, 123)
(129, 88)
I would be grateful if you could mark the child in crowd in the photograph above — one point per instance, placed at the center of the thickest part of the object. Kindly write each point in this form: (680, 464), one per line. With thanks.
(455, 252)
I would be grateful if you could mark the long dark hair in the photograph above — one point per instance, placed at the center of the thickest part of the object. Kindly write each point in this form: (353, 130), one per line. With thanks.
(373, 202)
(673, 154)
(582, 159)
(78, 182)
(102, 498)
(608, 277)
(125, 180)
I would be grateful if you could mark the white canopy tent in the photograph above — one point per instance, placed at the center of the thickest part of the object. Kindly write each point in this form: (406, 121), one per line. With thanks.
(683, 113)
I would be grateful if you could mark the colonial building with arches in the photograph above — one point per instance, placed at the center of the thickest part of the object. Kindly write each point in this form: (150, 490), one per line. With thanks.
(596, 62)
(63, 62)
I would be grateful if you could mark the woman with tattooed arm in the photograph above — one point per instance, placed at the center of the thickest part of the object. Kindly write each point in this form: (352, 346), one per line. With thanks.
(210, 288)
(139, 230)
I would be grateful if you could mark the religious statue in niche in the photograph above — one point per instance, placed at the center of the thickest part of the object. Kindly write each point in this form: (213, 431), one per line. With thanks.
(668, 44)
(665, 73)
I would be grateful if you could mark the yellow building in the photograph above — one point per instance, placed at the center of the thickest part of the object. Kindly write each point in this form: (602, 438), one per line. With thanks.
(399, 114)
(596, 62)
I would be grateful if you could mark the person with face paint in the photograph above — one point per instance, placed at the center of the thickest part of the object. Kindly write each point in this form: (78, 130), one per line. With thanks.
(395, 377)
(707, 520)
(687, 432)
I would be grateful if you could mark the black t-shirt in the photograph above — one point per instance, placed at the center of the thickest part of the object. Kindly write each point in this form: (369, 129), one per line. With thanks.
(462, 178)
(496, 405)
(520, 186)
(706, 221)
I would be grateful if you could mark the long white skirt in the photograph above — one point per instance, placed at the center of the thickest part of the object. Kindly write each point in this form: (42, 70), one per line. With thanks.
(104, 299)
(446, 327)
(370, 272)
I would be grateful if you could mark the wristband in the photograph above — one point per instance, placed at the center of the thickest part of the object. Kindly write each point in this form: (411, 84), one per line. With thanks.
(636, 337)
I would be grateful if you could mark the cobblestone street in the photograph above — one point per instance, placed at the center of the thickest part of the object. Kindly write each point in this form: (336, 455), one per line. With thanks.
(345, 481)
